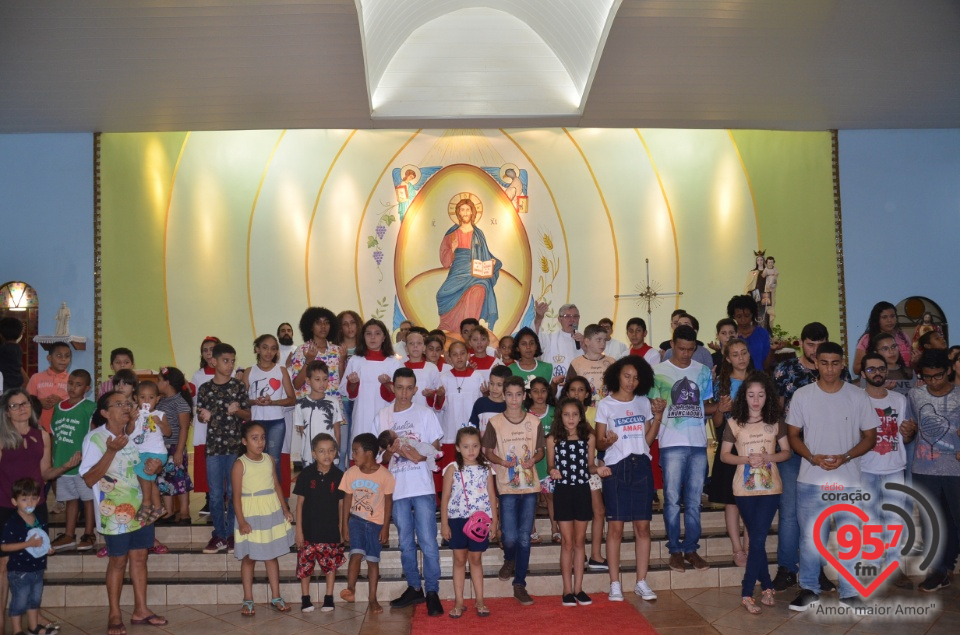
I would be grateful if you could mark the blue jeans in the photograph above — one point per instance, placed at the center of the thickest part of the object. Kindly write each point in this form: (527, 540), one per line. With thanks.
(517, 512)
(219, 468)
(879, 495)
(788, 532)
(757, 513)
(683, 473)
(276, 430)
(943, 492)
(417, 516)
(809, 505)
(26, 589)
(346, 443)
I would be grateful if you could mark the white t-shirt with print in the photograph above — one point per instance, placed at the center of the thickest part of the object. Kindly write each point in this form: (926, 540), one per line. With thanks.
(628, 419)
(889, 455)
(417, 423)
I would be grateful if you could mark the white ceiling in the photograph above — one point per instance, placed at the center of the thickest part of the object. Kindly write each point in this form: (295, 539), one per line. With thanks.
(139, 65)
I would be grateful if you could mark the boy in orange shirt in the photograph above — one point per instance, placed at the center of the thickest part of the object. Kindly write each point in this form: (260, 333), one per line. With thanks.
(50, 385)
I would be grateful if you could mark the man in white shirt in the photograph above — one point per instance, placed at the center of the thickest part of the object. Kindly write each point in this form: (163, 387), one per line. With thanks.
(563, 346)
(414, 496)
(838, 426)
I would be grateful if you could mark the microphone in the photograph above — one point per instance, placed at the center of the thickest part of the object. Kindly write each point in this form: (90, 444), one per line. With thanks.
(575, 342)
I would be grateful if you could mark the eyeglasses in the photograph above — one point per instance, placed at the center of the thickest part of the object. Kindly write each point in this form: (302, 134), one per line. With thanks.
(887, 348)
(873, 370)
(121, 404)
(18, 406)
(934, 377)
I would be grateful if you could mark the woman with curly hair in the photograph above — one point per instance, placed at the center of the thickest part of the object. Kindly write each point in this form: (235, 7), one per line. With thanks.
(756, 428)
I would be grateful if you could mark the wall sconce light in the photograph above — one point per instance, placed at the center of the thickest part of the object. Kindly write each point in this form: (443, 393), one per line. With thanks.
(16, 298)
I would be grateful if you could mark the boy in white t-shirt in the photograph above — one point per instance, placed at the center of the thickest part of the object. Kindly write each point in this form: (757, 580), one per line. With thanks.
(414, 495)
(318, 412)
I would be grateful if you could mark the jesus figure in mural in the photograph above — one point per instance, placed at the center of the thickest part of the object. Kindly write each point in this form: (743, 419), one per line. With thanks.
(468, 290)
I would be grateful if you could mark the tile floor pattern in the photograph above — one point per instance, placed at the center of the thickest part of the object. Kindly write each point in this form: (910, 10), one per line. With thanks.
(681, 612)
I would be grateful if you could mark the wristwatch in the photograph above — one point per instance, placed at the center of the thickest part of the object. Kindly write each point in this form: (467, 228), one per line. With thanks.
(847, 458)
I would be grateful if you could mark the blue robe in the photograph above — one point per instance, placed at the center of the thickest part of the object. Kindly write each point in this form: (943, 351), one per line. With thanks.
(460, 277)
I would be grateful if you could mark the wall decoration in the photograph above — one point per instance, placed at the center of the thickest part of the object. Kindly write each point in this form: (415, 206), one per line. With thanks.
(239, 231)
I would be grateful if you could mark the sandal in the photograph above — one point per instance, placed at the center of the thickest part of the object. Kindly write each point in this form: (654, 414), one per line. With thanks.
(277, 604)
(456, 612)
(483, 611)
(556, 538)
(156, 513)
(248, 608)
(766, 598)
(534, 538)
(42, 630)
(750, 605)
(158, 548)
(150, 620)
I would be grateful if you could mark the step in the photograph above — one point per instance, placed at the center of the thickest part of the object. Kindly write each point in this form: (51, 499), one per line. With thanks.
(190, 557)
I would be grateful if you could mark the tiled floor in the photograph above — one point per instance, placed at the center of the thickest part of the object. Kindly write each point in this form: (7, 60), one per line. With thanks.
(681, 612)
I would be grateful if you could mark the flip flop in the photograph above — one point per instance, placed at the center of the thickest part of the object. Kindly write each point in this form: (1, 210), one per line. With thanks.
(150, 620)
(277, 604)
(116, 629)
(248, 608)
(456, 612)
(483, 611)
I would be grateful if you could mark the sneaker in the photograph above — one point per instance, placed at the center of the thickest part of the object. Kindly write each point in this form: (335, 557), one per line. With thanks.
(230, 544)
(902, 581)
(804, 600)
(677, 563)
(521, 595)
(583, 599)
(644, 591)
(409, 597)
(826, 584)
(434, 607)
(597, 565)
(306, 606)
(64, 543)
(216, 545)
(784, 580)
(696, 561)
(507, 570)
(568, 600)
(327, 604)
(102, 553)
(854, 603)
(615, 595)
(205, 510)
(934, 581)
(87, 542)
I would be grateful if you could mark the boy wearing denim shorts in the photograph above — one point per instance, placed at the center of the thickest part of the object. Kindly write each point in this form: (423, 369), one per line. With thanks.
(319, 519)
(368, 502)
(26, 544)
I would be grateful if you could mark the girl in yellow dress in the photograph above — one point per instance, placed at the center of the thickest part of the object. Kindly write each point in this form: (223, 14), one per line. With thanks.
(262, 530)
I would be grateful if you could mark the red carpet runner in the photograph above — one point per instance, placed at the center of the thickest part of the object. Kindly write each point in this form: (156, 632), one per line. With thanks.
(546, 616)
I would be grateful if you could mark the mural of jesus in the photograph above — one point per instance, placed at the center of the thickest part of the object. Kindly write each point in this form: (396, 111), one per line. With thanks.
(473, 271)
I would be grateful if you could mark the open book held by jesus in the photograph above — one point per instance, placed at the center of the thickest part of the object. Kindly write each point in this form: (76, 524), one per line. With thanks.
(483, 268)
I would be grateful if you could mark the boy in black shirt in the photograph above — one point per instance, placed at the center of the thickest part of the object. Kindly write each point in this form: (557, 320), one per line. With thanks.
(319, 508)
(24, 538)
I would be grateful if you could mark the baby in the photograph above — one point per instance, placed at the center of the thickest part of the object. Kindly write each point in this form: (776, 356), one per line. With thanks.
(387, 437)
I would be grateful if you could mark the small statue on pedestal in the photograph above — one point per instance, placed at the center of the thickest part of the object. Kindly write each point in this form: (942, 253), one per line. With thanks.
(63, 321)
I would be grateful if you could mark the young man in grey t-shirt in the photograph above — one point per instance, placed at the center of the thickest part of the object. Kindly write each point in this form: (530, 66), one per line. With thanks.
(936, 461)
(838, 426)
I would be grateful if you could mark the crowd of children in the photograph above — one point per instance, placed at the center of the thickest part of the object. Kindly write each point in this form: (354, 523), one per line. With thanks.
(488, 432)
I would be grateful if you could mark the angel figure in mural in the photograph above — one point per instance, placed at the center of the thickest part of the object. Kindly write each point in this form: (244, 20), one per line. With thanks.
(468, 290)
